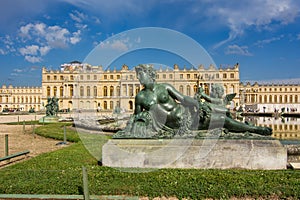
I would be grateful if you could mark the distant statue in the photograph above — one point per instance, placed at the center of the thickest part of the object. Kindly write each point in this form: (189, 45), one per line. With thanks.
(162, 111)
(52, 106)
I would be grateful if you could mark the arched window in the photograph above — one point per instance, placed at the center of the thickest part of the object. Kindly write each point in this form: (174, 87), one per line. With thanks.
(105, 105)
(291, 99)
(260, 99)
(130, 105)
(130, 90)
(95, 91)
(195, 88)
(71, 90)
(265, 99)
(111, 91)
(105, 91)
(275, 99)
(280, 99)
(81, 91)
(61, 91)
(181, 89)
(111, 105)
(88, 91)
(55, 91)
(188, 90)
(137, 89)
(48, 91)
(118, 91)
(296, 98)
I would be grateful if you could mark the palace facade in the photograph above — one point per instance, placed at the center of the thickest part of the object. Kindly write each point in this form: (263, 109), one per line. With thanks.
(86, 87)
(80, 86)
(270, 98)
(20, 98)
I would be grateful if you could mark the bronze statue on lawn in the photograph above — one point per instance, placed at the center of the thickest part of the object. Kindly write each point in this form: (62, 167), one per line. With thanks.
(52, 106)
(163, 112)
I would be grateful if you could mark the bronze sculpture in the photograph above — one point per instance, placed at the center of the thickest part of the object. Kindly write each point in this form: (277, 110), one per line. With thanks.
(163, 112)
(52, 106)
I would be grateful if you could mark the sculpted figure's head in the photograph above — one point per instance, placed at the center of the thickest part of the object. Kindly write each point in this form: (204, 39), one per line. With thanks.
(217, 90)
(145, 73)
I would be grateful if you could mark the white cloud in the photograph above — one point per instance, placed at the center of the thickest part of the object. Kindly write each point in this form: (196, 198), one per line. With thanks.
(2, 52)
(119, 45)
(33, 59)
(57, 37)
(261, 14)
(18, 70)
(29, 50)
(261, 43)
(76, 37)
(44, 50)
(43, 38)
(52, 36)
(78, 16)
(239, 50)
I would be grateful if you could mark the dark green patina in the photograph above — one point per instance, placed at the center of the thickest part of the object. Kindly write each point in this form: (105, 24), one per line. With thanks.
(163, 112)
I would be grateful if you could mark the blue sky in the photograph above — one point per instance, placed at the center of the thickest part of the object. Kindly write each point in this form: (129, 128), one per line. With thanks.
(263, 36)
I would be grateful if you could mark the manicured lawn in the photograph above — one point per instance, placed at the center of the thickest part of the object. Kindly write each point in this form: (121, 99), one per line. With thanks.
(60, 172)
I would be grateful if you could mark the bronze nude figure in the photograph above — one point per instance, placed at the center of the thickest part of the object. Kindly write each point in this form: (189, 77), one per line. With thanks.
(163, 112)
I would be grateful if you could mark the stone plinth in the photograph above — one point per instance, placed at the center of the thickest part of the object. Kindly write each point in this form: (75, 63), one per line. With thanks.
(187, 153)
(49, 119)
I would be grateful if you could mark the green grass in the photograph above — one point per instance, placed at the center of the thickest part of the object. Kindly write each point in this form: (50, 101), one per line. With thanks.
(56, 131)
(60, 172)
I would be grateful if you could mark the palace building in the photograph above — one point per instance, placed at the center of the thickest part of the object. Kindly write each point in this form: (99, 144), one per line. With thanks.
(20, 98)
(81, 86)
(86, 87)
(270, 98)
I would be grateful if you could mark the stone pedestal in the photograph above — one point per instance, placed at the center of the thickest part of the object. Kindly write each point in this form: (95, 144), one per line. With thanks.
(49, 119)
(188, 153)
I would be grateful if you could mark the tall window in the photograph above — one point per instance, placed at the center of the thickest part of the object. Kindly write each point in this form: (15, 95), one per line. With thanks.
(88, 91)
(111, 91)
(131, 90)
(48, 91)
(95, 91)
(195, 88)
(81, 91)
(71, 90)
(130, 105)
(55, 91)
(105, 105)
(137, 89)
(181, 89)
(118, 91)
(105, 91)
(265, 99)
(111, 105)
(61, 91)
(188, 90)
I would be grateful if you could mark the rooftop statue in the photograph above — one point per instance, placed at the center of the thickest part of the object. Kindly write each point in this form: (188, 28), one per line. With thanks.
(163, 112)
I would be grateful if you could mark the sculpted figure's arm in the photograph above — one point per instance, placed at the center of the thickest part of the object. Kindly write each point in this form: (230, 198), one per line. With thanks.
(138, 106)
(184, 100)
(211, 99)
